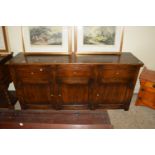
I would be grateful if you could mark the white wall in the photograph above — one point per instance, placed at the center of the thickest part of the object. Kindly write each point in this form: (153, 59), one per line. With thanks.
(15, 39)
(138, 40)
(141, 42)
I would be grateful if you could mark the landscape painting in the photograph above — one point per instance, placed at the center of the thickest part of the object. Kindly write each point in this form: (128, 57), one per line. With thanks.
(99, 39)
(45, 35)
(46, 39)
(99, 35)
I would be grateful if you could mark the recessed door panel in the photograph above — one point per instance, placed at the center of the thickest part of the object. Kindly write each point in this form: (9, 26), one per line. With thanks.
(111, 93)
(38, 95)
(73, 93)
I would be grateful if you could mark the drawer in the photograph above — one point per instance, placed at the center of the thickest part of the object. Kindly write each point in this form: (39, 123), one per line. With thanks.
(74, 71)
(148, 84)
(116, 74)
(145, 102)
(146, 95)
(147, 89)
(33, 73)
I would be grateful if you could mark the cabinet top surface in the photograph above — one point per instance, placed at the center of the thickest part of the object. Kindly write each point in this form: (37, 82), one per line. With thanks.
(4, 58)
(148, 75)
(124, 58)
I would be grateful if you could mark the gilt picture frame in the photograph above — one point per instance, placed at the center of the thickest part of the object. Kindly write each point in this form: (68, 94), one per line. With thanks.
(98, 39)
(3, 40)
(47, 40)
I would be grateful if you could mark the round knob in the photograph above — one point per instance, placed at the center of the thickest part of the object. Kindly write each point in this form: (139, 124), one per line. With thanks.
(52, 95)
(32, 73)
(21, 124)
(98, 95)
(59, 94)
(117, 73)
(41, 69)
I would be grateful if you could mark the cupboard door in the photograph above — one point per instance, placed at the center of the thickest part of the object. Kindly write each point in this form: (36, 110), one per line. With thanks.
(73, 93)
(35, 86)
(36, 95)
(114, 87)
(74, 86)
(111, 95)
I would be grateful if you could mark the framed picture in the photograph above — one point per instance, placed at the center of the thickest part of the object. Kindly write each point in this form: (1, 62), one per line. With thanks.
(3, 40)
(98, 39)
(47, 39)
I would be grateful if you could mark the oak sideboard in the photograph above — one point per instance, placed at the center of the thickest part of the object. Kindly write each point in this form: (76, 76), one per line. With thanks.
(74, 82)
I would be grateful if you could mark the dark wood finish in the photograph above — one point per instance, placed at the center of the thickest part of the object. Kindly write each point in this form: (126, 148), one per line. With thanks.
(75, 82)
(27, 119)
(146, 95)
(4, 99)
(7, 99)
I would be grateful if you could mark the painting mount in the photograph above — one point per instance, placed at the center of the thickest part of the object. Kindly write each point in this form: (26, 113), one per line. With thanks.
(68, 51)
(81, 52)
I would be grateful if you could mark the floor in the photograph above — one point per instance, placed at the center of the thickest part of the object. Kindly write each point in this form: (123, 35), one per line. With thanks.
(138, 117)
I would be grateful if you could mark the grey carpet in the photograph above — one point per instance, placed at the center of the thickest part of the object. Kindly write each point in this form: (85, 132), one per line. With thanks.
(138, 117)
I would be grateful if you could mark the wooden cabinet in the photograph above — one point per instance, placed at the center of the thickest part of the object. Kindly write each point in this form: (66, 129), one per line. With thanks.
(7, 98)
(146, 95)
(75, 82)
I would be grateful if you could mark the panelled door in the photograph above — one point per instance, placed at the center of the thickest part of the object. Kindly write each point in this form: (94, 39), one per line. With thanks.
(35, 87)
(74, 84)
(114, 87)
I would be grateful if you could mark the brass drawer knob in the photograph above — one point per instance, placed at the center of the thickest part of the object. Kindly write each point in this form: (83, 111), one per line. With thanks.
(59, 94)
(52, 95)
(97, 95)
(32, 73)
(41, 69)
(117, 73)
(21, 124)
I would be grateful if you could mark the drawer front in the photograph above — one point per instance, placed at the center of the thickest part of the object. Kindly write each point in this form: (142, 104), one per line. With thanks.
(148, 84)
(74, 71)
(117, 73)
(33, 73)
(146, 95)
(147, 89)
(146, 98)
